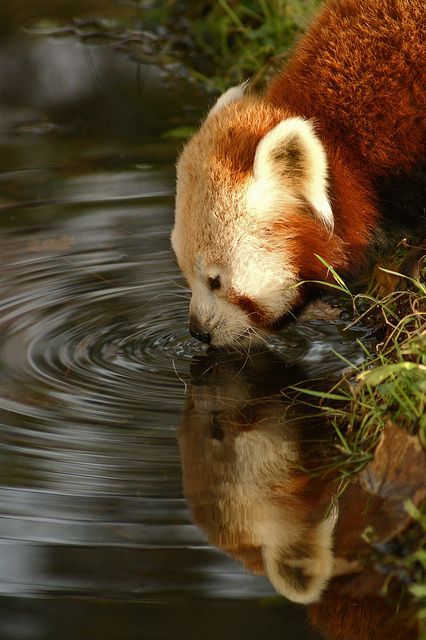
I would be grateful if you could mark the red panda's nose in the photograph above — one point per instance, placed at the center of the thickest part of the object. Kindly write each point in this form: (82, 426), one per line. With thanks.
(198, 332)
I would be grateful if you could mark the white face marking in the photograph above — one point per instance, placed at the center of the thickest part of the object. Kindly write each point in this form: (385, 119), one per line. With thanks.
(252, 272)
(225, 322)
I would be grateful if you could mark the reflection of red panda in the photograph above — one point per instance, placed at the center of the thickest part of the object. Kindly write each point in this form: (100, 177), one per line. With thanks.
(327, 161)
(245, 452)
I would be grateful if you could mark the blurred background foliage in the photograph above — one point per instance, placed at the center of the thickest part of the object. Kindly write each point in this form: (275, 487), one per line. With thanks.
(215, 43)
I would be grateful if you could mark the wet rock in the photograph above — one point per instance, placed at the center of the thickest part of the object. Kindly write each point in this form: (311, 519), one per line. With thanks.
(322, 310)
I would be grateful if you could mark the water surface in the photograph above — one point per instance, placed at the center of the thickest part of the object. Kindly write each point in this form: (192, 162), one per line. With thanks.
(96, 539)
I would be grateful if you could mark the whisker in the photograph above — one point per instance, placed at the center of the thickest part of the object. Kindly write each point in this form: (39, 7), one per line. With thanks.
(259, 334)
(298, 320)
(180, 286)
(247, 357)
(161, 295)
(185, 385)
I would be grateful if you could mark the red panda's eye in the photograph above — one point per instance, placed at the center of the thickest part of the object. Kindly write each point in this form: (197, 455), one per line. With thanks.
(214, 283)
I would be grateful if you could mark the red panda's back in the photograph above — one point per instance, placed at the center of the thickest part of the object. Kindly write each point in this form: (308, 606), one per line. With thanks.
(360, 73)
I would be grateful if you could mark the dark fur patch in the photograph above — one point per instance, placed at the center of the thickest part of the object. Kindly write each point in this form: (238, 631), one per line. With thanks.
(256, 313)
(295, 576)
(402, 201)
(290, 152)
(290, 158)
(216, 432)
(214, 282)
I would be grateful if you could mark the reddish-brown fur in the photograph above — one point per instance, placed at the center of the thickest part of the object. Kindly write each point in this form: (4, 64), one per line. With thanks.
(340, 617)
(257, 314)
(362, 85)
(231, 156)
(360, 73)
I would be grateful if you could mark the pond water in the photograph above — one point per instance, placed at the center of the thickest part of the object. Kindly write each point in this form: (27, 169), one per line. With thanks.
(96, 537)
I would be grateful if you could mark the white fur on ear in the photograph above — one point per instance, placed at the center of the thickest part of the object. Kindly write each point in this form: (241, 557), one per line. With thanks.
(290, 164)
(300, 572)
(231, 95)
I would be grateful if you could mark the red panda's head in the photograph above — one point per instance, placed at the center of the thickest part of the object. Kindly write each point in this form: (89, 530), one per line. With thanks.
(251, 211)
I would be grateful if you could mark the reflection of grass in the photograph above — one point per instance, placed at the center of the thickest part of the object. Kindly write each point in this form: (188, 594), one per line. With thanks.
(388, 388)
(413, 564)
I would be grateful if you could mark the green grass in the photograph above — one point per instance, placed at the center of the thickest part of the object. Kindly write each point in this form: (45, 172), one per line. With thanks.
(234, 40)
(413, 564)
(389, 387)
(390, 384)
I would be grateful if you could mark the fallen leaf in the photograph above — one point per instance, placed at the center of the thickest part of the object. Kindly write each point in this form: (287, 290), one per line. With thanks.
(397, 474)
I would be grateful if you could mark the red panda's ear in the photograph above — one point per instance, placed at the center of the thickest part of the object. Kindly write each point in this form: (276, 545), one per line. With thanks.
(291, 165)
(231, 95)
(301, 572)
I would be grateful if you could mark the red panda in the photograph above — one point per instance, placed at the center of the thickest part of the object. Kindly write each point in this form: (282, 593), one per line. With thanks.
(327, 162)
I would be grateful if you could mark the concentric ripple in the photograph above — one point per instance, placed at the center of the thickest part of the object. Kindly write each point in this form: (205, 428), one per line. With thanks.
(99, 326)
